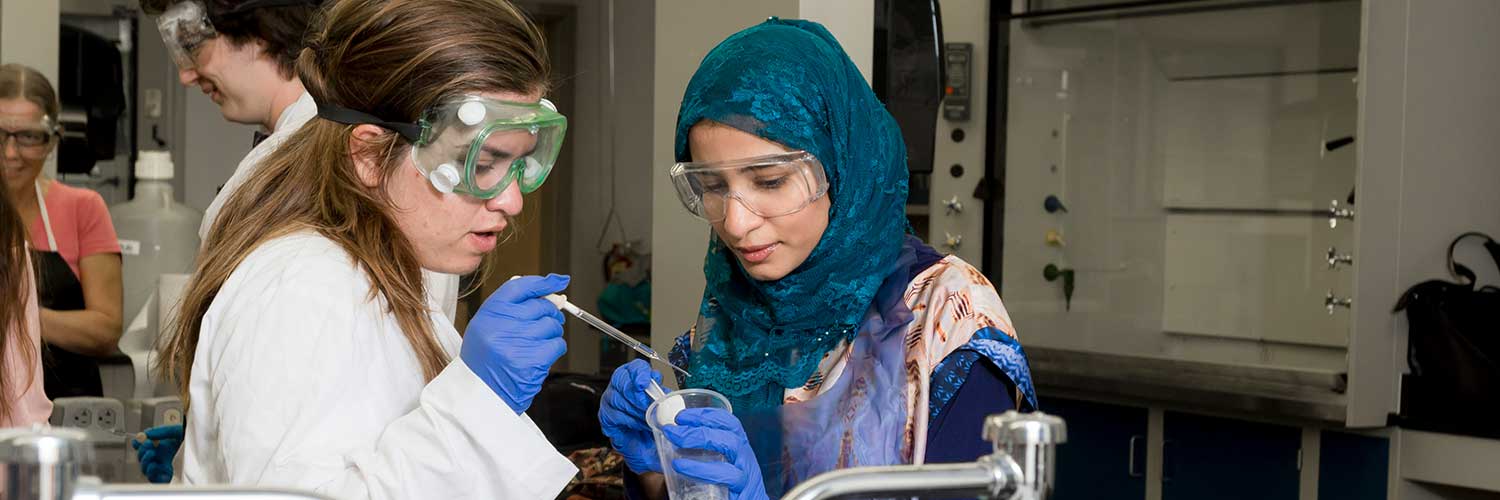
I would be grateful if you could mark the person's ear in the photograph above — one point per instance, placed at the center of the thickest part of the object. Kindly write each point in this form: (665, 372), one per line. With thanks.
(365, 154)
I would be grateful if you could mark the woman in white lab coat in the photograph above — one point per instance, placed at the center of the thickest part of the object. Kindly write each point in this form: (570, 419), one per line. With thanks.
(305, 347)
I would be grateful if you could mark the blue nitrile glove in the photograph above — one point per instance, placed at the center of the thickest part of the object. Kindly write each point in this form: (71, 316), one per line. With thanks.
(718, 430)
(622, 415)
(157, 451)
(515, 337)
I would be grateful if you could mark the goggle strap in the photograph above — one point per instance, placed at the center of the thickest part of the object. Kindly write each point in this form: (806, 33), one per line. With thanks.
(412, 132)
(262, 4)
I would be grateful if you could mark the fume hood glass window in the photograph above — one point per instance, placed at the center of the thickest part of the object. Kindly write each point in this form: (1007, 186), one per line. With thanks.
(1169, 178)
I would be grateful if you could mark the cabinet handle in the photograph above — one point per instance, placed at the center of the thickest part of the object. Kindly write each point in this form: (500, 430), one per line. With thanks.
(1166, 460)
(1132, 471)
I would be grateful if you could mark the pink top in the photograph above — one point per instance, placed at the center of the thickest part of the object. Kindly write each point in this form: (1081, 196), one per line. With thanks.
(80, 224)
(29, 404)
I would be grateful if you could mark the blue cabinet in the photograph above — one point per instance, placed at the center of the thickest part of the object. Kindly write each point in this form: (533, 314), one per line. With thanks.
(1225, 459)
(1353, 467)
(1105, 456)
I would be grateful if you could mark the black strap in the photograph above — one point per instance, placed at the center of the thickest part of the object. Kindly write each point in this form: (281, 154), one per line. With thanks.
(335, 113)
(1463, 272)
(265, 4)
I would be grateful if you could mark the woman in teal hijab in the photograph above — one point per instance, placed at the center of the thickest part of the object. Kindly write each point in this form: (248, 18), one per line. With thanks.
(838, 338)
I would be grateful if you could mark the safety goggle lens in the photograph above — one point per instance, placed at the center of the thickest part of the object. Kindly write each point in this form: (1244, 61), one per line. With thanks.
(767, 190)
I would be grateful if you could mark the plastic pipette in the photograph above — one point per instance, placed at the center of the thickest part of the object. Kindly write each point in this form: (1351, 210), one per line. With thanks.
(656, 391)
(561, 301)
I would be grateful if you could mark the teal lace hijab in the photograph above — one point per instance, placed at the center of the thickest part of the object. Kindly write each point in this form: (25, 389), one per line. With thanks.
(790, 82)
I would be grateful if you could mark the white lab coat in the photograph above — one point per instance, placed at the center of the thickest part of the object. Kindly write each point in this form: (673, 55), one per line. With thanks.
(443, 288)
(302, 380)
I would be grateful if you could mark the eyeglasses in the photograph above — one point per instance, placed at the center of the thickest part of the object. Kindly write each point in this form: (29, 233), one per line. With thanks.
(25, 138)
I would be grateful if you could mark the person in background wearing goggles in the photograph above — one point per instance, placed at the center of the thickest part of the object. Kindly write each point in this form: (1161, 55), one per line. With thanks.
(242, 54)
(307, 351)
(838, 337)
(73, 246)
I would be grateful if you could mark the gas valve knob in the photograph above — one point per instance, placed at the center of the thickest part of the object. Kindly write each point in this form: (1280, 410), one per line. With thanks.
(954, 206)
(1334, 258)
(1335, 213)
(953, 241)
(1332, 302)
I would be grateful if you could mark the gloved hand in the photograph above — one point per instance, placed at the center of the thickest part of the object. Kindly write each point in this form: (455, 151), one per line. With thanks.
(157, 450)
(515, 337)
(718, 430)
(622, 415)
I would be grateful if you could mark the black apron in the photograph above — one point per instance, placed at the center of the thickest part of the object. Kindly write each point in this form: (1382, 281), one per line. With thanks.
(65, 374)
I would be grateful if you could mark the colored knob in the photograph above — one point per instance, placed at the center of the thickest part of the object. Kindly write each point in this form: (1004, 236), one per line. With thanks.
(1054, 205)
(1052, 272)
(1055, 238)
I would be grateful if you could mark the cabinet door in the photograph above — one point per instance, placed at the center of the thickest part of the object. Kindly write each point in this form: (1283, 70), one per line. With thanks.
(1353, 467)
(1105, 456)
(1224, 459)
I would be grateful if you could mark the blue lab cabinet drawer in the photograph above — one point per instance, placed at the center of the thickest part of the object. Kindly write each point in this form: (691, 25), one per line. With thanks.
(1353, 467)
(1105, 456)
(1225, 459)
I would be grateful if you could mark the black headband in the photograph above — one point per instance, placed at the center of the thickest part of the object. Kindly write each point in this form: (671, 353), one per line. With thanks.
(264, 4)
(412, 132)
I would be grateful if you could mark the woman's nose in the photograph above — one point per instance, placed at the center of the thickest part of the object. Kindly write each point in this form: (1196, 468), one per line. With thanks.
(739, 220)
(508, 202)
(12, 150)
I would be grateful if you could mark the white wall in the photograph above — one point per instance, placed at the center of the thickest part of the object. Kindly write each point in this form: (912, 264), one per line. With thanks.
(686, 31)
(212, 148)
(28, 35)
(852, 21)
(600, 147)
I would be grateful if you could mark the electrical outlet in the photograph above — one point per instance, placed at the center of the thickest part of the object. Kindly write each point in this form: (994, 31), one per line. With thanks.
(83, 417)
(107, 417)
(152, 103)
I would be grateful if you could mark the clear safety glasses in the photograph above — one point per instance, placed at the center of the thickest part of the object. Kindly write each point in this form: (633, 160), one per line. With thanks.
(184, 29)
(185, 26)
(477, 146)
(768, 186)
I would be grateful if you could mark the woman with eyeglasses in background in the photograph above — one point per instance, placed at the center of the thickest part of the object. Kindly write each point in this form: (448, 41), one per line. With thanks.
(74, 249)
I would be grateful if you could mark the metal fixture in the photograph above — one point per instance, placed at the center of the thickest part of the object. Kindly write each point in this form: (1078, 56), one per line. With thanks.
(1335, 213)
(1334, 258)
(954, 206)
(1332, 302)
(1019, 469)
(42, 463)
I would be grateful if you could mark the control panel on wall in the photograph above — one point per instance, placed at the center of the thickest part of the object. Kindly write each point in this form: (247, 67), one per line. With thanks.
(956, 187)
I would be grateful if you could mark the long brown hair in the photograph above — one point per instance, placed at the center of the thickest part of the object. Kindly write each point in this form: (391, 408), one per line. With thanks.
(392, 59)
(15, 290)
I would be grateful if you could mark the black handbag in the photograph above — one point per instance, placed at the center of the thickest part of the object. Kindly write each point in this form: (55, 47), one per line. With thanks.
(1453, 351)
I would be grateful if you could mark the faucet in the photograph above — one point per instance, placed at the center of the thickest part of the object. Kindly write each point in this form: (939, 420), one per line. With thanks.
(43, 463)
(1019, 469)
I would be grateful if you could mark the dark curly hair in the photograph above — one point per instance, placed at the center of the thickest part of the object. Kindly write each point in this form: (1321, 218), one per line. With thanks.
(281, 25)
